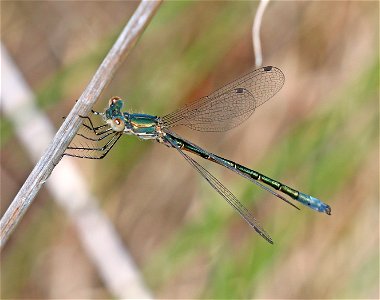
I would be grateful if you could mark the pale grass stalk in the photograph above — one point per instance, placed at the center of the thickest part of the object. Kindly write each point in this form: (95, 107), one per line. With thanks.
(257, 49)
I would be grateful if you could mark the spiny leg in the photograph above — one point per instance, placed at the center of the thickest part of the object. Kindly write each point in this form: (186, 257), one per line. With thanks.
(107, 147)
(96, 148)
(111, 145)
(109, 131)
(92, 127)
(103, 134)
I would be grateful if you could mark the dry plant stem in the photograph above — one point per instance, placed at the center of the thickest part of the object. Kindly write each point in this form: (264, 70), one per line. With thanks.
(68, 188)
(125, 42)
(256, 32)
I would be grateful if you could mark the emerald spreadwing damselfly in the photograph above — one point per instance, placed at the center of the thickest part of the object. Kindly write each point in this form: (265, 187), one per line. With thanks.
(222, 110)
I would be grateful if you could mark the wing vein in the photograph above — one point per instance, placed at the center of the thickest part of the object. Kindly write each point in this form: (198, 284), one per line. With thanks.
(230, 105)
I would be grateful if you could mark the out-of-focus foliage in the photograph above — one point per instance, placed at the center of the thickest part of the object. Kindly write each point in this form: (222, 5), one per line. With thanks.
(319, 135)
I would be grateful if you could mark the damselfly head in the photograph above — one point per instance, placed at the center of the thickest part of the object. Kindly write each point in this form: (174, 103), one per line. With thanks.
(113, 115)
(115, 105)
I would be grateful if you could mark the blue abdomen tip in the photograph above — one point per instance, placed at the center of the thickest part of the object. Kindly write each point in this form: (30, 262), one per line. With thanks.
(314, 203)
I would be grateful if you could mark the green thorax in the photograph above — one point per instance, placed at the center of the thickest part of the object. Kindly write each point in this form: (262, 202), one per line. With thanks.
(142, 123)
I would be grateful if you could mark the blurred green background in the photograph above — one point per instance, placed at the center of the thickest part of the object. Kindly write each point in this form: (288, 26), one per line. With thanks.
(320, 134)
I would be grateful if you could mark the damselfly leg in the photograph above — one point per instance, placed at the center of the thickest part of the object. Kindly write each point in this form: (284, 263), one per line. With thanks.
(96, 149)
(95, 152)
(97, 130)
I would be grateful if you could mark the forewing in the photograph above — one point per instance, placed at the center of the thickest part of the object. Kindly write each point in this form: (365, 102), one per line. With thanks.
(230, 105)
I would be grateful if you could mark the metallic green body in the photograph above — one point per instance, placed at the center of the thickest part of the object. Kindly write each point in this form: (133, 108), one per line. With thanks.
(142, 124)
(251, 173)
(305, 199)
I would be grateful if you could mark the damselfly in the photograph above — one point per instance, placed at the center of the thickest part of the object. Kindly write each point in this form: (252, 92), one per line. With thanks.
(222, 110)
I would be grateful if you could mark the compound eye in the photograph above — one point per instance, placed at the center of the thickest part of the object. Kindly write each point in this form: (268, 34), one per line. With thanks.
(114, 100)
(117, 124)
